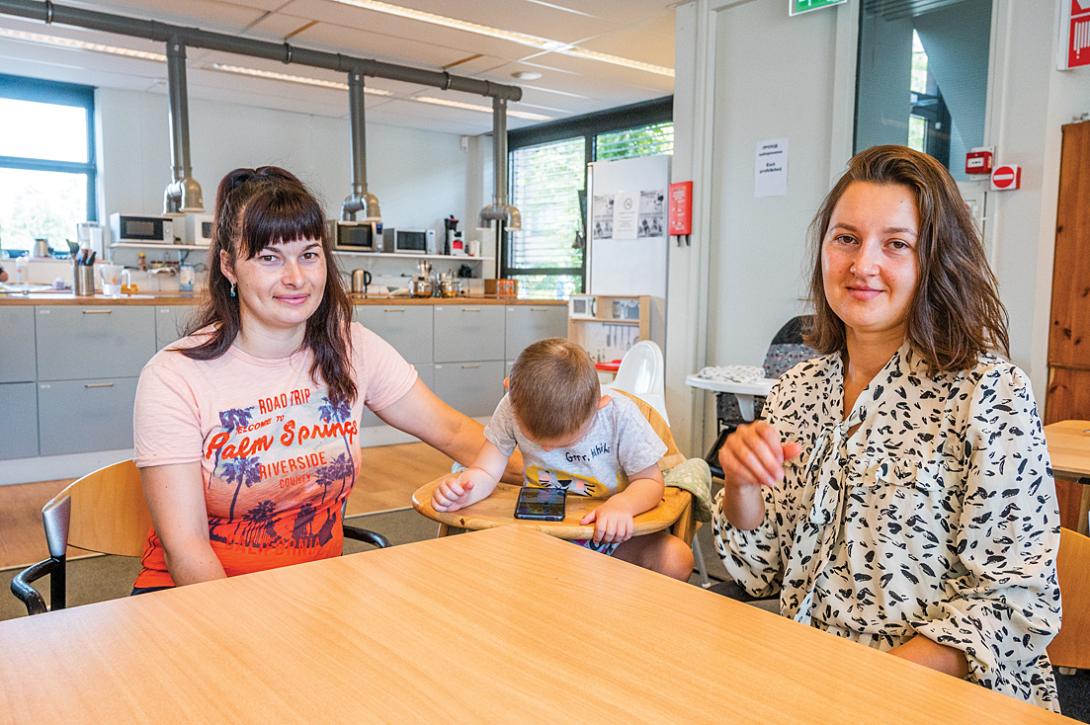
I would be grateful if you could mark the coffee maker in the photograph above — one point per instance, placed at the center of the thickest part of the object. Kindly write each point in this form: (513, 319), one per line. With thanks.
(453, 242)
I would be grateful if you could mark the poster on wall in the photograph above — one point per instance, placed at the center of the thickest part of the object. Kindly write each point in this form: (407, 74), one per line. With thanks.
(652, 210)
(626, 209)
(770, 168)
(602, 217)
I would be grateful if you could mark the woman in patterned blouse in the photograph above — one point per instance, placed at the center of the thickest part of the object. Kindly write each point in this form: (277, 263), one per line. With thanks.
(898, 491)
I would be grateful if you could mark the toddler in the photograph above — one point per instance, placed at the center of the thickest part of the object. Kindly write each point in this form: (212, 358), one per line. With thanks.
(574, 437)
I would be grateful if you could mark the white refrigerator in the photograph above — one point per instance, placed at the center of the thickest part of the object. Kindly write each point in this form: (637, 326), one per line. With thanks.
(626, 232)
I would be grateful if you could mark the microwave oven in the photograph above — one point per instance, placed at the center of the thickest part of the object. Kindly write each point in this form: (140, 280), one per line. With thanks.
(356, 236)
(141, 228)
(197, 229)
(408, 241)
(581, 307)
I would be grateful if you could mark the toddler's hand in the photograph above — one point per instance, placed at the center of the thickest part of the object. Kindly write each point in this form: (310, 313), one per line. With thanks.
(613, 523)
(453, 492)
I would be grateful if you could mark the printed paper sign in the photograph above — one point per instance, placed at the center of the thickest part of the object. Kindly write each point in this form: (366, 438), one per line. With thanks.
(626, 212)
(770, 168)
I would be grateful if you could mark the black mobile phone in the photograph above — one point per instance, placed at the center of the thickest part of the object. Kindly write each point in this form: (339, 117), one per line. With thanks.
(541, 504)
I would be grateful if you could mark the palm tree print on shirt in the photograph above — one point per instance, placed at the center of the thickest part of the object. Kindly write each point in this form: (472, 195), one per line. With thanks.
(338, 469)
(240, 471)
(257, 527)
(338, 412)
(230, 420)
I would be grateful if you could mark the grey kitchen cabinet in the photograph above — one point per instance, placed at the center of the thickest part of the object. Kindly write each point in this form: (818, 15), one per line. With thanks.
(427, 376)
(17, 356)
(76, 416)
(76, 343)
(473, 388)
(407, 327)
(19, 420)
(171, 322)
(465, 333)
(530, 323)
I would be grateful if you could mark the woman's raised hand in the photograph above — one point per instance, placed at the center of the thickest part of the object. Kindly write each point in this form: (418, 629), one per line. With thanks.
(754, 454)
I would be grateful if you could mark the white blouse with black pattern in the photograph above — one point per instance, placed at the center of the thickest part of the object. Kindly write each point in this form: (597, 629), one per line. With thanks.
(937, 516)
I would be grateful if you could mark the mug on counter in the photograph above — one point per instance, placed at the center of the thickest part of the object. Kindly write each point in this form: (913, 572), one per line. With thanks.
(110, 274)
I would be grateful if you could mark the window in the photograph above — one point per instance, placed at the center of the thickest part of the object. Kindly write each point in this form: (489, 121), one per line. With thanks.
(923, 76)
(548, 178)
(47, 161)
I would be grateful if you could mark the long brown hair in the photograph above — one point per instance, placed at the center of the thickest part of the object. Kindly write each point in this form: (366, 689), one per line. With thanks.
(956, 314)
(256, 208)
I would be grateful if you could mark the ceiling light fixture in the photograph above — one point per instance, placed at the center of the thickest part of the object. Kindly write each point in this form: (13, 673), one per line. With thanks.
(73, 44)
(526, 75)
(473, 107)
(532, 41)
(274, 76)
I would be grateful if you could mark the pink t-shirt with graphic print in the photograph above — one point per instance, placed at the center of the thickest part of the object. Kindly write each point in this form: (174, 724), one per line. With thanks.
(278, 458)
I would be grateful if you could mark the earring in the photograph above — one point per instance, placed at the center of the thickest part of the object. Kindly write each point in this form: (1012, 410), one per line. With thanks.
(233, 292)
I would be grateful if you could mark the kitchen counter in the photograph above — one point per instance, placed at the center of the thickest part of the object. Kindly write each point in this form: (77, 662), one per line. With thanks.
(63, 298)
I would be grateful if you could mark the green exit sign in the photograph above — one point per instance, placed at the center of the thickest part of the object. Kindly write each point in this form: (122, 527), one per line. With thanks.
(798, 7)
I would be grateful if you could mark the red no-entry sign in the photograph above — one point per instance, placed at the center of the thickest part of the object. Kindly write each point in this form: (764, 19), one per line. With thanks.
(1007, 177)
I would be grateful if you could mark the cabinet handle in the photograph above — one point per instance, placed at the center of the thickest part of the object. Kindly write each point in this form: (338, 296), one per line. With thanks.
(470, 366)
(96, 312)
(88, 386)
(393, 309)
(471, 309)
(539, 309)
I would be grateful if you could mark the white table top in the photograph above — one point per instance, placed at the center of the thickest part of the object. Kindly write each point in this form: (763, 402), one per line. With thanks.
(761, 386)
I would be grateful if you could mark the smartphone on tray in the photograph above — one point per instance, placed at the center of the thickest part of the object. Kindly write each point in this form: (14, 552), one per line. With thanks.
(540, 504)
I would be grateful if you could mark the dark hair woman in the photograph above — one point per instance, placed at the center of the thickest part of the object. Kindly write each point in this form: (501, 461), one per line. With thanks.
(898, 490)
(247, 429)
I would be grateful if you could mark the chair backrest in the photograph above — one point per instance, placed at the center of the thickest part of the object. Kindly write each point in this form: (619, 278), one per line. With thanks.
(104, 512)
(643, 374)
(1071, 647)
(787, 348)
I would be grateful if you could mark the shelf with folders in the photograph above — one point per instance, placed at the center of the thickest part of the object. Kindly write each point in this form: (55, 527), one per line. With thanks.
(606, 326)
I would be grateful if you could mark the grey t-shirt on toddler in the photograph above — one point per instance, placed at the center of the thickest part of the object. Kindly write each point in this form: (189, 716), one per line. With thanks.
(618, 443)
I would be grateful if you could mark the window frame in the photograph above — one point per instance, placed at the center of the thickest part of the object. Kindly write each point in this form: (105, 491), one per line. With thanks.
(62, 94)
(588, 126)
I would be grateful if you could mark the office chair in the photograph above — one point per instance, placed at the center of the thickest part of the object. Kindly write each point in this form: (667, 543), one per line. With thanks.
(1070, 650)
(786, 350)
(103, 512)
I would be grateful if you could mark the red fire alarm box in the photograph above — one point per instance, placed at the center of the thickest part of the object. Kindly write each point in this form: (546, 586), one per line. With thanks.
(979, 160)
(680, 218)
(1007, 177)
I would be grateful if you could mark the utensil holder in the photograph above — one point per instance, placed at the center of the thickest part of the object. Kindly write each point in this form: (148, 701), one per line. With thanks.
(83, 280)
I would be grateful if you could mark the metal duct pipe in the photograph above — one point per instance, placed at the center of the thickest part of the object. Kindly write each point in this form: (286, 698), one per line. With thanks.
(183, 193)
(499, 209)
(196, 38)
(360, 200)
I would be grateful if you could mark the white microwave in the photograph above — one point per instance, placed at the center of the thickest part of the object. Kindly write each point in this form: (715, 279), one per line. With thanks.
(197, 229)
(582, 307)
(408, 241)
(141, 228)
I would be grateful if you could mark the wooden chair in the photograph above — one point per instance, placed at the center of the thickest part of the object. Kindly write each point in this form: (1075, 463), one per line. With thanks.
(1071, 647)
(103, 512)
(674, 512)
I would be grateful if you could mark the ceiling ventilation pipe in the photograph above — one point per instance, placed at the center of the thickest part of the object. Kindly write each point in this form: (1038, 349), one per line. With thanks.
(360, 200)
(499, 210)
(183, 193)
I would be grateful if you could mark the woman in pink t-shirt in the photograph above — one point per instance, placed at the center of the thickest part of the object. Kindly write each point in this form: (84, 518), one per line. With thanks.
(247, 430)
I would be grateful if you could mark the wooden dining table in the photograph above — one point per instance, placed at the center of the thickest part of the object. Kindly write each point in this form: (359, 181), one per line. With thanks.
(1069, 449)
(503, 624)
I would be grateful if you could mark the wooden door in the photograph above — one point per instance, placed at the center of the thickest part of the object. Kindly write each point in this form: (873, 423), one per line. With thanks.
(1068, 394)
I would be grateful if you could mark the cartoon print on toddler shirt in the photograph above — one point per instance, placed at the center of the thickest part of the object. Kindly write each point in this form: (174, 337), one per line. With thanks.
(577, 485)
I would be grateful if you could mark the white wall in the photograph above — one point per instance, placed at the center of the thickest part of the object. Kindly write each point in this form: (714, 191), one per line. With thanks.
(419, 177)
(755, 74)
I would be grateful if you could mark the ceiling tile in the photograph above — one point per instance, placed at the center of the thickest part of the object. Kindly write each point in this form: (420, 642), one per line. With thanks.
(205, 14)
